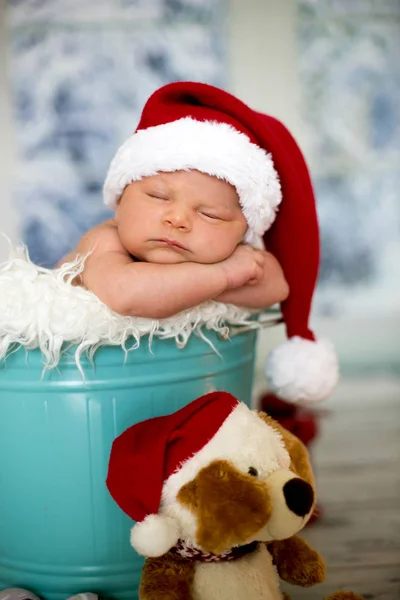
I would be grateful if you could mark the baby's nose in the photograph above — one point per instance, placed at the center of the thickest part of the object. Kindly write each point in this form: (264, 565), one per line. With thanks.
(299, 496)
(177, 218)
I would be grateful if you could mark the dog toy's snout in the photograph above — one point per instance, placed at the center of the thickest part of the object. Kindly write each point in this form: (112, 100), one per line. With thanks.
(299, 496)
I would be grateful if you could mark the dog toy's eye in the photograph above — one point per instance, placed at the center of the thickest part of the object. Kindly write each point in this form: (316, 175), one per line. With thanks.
(253, 471)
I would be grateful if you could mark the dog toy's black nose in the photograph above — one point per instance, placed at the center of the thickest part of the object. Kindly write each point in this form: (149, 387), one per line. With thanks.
(299, 496)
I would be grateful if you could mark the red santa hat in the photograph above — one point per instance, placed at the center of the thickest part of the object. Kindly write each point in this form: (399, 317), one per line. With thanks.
(188, 125)
(145, 455)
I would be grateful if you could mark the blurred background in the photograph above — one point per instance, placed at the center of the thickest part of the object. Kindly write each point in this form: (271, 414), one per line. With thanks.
(74, 75)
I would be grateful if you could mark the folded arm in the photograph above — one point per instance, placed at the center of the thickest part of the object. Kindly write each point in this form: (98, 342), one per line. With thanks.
(151, 290)
(143, 289)
(158, 291)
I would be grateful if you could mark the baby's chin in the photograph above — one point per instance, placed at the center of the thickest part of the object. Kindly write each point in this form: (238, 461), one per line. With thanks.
(169, 260)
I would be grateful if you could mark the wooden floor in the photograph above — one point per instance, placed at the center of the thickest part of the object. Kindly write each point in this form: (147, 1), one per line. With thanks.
(357, 461)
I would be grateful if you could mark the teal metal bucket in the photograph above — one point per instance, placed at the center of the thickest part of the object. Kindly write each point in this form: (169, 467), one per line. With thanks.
(60, 531)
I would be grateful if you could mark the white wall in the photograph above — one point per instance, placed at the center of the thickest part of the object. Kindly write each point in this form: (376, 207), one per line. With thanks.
(262, 57)
(8, 217)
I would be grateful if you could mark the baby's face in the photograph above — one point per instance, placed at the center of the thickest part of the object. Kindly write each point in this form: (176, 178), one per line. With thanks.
(179, 217)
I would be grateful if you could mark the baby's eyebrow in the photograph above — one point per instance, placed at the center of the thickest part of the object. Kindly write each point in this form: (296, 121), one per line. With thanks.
(155, 181)
(159, 177)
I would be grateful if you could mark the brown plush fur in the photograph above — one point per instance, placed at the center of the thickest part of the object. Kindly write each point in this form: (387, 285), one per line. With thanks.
(167, 578)
(335, 596)
(296, 562)
(230, 506)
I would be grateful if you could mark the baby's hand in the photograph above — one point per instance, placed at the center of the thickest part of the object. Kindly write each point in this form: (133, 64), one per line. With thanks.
(244, 266)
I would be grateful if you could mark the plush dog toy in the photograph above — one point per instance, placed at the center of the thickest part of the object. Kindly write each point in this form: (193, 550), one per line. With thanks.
(218, 493)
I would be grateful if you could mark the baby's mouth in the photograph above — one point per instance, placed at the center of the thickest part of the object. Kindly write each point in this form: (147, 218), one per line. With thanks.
(170, 243)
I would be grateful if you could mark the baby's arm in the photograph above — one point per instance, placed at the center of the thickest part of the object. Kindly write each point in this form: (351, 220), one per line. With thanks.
(151, 290)
(270, 289)
(156, 290)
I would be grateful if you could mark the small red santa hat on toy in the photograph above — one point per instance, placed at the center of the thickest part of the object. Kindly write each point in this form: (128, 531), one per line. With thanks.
(151, 461)
(187, 125)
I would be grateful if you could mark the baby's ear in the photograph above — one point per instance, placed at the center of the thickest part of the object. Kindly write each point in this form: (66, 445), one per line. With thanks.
(299, 457)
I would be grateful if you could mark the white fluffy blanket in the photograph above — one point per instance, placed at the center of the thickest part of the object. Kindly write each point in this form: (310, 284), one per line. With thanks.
(40, 308)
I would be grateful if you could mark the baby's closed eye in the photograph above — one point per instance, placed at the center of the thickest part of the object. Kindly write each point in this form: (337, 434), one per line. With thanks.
(211, 215)
(158, 195)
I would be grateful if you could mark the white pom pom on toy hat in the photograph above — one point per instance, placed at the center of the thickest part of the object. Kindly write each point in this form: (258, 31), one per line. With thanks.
(155, 535)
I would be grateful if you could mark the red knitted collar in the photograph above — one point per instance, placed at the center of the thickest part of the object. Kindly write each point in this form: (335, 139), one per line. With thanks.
(191, 553)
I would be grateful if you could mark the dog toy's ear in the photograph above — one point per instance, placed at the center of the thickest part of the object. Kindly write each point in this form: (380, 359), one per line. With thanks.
(299, 457)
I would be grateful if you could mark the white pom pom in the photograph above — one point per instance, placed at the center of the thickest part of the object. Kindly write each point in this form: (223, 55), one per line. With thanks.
(302, 371)
(155, 535)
